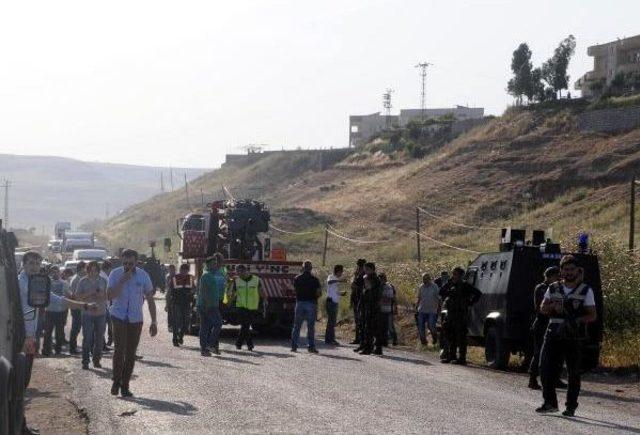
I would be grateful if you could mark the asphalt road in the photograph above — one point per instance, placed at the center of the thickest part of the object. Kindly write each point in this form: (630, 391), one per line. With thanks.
(273, 390)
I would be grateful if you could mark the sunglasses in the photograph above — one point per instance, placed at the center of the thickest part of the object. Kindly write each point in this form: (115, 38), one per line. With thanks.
(128, 263)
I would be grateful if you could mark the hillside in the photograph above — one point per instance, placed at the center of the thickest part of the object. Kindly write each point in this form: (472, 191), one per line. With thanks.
(48, 189)
(527, 168)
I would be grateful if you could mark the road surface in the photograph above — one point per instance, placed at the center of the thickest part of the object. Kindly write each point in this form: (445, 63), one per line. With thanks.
(272, 390)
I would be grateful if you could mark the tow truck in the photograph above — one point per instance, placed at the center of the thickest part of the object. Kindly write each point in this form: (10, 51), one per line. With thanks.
(239, 230)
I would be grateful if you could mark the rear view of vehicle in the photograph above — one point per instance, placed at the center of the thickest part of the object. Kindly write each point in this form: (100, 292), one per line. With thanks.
(239, 230)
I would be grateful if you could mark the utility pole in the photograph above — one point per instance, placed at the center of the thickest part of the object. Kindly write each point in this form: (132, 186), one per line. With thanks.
(161, 181)
(418, 235)
(6, 185)
(186, 189)
(171, 176)
(386, 104)
(423, 94)
(202, 197)
(326, 239)
(632, 214)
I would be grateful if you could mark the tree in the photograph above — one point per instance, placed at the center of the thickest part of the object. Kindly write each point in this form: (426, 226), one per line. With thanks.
(521, 66)
(536, 90)
(554, 70)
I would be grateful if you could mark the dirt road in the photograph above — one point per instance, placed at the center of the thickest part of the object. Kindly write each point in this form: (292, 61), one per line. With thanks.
(273, 390)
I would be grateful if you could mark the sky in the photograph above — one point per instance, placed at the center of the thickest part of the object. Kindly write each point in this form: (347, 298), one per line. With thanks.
(182, 83)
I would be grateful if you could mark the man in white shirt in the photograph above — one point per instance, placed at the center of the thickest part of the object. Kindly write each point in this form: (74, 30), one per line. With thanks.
(570, 305)
(333, 300)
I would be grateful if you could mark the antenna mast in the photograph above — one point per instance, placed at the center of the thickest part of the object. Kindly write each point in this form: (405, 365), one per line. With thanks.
(386, 104)
(423, 94)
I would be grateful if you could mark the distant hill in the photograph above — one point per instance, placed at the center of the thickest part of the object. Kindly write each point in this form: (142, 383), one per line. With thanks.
(49, 189)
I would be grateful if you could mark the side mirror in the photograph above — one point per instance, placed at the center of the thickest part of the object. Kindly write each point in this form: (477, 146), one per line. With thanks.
(39, 291)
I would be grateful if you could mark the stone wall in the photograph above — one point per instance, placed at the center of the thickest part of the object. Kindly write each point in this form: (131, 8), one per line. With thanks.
(609, 120)
(325, 158)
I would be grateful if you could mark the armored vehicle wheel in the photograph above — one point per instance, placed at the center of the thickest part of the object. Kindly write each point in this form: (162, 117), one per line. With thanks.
(496, 350)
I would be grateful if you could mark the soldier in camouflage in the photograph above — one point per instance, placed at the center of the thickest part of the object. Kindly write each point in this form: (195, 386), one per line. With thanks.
(458, 297)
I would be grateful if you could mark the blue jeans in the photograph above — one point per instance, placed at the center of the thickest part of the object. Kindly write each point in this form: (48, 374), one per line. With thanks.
(305, 310)
(92, 336)
(210, 327)
(430, 319)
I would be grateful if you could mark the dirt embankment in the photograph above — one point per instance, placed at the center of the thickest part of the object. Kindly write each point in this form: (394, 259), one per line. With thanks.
(48, 402)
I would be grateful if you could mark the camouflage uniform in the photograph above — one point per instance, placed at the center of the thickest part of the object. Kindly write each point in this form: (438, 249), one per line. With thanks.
(458, 297)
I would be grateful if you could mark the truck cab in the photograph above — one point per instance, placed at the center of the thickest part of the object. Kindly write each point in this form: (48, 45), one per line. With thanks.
(502, 319)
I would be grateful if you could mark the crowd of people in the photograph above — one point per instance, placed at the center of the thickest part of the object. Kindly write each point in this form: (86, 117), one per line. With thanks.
(106, 305)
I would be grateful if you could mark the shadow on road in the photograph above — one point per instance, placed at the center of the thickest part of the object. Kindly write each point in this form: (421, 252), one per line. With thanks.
(151, 363)
(343, 358)
(235, 360)
(613, 397)
(599, 423)
(420, 362)
(35, 393)
(180, 408)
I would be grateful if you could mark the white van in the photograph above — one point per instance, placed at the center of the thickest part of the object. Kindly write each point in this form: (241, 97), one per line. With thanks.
(89, 255)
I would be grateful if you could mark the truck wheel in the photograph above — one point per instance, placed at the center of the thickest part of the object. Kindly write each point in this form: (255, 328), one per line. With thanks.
(496, 351)
(5, 393)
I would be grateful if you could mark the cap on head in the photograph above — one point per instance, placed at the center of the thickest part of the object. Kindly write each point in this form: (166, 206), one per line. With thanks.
(551, 271)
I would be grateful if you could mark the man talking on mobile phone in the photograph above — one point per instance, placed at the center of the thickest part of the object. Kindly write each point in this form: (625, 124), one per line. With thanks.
(128, 287)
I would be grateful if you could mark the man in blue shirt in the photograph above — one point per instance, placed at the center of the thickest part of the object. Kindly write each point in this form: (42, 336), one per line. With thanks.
(128, 287)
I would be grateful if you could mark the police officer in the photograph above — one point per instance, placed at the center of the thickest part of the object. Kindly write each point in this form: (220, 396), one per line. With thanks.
(570, 306)
(169, 296)
(182, 290)
(370, 312)
(539, 326)
(458, 296)
(357, 286)
(246, 293)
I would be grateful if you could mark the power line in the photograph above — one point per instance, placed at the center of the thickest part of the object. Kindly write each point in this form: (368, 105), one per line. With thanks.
(293, 233)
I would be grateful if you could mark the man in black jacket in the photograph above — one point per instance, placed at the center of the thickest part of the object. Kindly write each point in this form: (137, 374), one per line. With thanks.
(370, 312)
(357, 286)
(458, 296)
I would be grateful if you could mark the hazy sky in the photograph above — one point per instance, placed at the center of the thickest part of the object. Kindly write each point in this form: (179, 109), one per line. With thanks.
(183, 82)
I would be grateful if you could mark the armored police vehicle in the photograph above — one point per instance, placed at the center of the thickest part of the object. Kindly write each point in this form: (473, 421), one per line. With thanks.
(13, 370)
(239, 230)
(501, 320)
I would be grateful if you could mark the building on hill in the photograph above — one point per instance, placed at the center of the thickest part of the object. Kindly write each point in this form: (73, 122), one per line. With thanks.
(363, 127)
(609, 60)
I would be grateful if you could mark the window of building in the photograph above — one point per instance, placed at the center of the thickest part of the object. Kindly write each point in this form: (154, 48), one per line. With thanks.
(354, 129)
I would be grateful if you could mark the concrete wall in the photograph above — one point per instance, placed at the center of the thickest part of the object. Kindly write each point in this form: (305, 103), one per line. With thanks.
(325, 158)
(609, 120)
(460, 112)
(459, 127)
(363, 127)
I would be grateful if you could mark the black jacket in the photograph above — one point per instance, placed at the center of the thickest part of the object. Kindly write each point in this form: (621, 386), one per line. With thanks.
(307, 287)
(458, 297)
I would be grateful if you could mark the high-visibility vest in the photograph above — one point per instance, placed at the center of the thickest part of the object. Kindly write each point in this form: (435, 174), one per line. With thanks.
(247, 294)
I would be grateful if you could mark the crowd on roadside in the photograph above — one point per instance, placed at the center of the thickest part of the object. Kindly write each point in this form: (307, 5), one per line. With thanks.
(106, 306)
